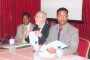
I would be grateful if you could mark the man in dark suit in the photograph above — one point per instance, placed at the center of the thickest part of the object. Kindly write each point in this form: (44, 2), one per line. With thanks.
(41, 29)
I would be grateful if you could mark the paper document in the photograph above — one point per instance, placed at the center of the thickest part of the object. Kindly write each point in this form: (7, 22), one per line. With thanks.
(46, 54)
(43, 48)
(55, 44)
(33, 37)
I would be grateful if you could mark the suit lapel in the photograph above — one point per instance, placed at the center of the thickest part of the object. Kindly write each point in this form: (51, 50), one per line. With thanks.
(64, 32)
(56, 32)
(30, 27)
(44, 28)
(22, 30)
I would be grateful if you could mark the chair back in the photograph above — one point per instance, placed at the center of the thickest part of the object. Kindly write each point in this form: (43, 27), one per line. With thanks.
(83, 47)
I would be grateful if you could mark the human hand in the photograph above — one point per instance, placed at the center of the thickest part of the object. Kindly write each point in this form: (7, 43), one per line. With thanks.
(51, 50)
(38, 33)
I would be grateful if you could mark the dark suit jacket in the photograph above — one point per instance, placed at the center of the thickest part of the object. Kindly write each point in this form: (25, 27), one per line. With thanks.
(45, 32)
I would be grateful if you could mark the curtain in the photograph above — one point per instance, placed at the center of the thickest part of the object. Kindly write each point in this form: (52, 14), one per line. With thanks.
(5, 17)
(10, 14)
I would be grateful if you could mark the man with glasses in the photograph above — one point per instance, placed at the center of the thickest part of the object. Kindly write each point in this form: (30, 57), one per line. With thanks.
(42, 28)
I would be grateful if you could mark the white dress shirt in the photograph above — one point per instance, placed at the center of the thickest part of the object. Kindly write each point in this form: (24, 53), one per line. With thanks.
(41, 27)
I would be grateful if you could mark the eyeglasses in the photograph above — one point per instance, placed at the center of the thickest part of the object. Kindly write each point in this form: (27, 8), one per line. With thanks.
(39, 17)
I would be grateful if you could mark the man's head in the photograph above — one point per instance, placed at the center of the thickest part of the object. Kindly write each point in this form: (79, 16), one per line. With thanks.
(26, 18)
(62, 16)
(40, 17)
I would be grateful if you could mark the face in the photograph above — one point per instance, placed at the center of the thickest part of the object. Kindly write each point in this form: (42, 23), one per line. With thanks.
(62, 17)
(40, 18)
(26, 20)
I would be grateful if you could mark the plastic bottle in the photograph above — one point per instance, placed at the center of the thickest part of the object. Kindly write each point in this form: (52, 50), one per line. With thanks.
(36, 51)
(11, 43)
(59, 52)
(36, 46)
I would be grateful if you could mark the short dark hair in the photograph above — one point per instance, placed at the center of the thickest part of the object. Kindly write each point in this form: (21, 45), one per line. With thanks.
(25, 14)
(62, 9)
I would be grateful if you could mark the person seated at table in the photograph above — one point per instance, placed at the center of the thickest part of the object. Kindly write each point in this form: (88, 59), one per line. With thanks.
(24, 29)
(64, 32)
(42, 28)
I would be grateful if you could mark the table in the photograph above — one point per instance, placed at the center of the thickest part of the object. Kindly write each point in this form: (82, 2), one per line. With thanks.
(27, 54)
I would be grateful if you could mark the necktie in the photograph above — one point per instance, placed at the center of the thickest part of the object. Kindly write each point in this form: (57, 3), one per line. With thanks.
(25, 31)
(59, 33)
(26, 36)
(39, 29)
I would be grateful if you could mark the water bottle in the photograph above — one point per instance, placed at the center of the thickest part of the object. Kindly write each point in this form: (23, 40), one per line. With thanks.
(36, 56)
(59, 52)
(11, 43)
(36, 46)
(36, 51)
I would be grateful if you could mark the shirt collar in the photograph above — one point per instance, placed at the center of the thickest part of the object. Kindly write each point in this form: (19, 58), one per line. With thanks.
(27, 25)
(64, 27)
(59, 27)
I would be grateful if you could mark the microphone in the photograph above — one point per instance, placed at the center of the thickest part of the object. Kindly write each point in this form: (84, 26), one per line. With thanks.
(2, 41)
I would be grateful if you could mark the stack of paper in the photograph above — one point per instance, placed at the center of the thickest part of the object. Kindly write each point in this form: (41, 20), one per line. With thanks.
(54, 44)
(46, 54)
